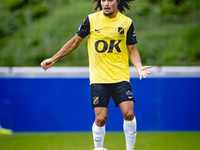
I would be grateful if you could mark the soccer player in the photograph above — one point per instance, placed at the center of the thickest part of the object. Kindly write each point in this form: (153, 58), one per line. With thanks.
(109, 33)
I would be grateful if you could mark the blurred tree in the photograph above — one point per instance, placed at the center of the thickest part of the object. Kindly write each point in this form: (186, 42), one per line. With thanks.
(19, 13)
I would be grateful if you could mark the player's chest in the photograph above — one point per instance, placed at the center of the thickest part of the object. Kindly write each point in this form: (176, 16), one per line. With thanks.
(108, 30)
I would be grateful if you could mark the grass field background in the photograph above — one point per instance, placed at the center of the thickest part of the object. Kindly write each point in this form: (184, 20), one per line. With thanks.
(113, 141)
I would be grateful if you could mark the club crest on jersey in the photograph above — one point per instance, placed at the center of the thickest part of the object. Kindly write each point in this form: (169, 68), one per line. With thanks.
(120, 30)
(95, 100)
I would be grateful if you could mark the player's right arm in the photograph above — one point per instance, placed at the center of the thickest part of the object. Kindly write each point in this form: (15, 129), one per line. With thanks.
(65, 50)
(72, 44)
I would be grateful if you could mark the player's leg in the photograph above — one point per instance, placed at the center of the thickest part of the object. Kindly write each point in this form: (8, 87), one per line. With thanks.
(98, 127)
(101, 114)
(100, 99)
(129, 123)
(123, 97)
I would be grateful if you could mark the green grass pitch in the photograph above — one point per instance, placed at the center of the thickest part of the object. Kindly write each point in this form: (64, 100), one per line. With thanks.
(113, 141)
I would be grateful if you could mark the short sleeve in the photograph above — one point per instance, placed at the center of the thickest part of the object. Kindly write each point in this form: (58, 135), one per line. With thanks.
(84, 28)
(131, 36)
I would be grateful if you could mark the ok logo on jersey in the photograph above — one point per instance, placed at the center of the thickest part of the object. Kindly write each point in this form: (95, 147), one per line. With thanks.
(101, 46)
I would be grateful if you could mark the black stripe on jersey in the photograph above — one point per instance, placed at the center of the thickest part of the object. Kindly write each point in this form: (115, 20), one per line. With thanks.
(84, 28)
(131, 37)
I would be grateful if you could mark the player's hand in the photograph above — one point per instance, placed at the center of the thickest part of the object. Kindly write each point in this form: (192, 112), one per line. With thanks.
(143, 72)
(46, 64)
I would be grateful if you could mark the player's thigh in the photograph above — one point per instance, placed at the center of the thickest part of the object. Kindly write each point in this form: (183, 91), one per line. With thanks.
(101, 114)
(101, 111)
(127, 109)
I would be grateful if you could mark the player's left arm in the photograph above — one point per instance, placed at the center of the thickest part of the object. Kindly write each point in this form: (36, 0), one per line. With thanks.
(136, 61)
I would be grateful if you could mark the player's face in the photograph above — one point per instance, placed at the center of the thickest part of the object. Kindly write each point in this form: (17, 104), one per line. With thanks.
(109, 7)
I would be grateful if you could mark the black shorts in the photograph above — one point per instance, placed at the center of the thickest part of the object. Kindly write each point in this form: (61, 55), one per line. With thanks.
(120, 92)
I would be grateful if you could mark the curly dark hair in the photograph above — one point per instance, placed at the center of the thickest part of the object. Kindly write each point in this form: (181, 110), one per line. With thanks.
(124, 4)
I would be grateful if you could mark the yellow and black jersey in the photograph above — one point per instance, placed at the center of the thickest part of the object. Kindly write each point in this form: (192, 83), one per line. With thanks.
(107, 40)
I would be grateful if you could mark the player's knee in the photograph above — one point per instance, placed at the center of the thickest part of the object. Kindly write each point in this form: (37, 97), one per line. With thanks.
(100, 121)
(128, 116)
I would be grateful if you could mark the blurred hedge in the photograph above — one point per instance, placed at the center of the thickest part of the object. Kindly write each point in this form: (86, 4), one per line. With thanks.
(19, 13)
(16, 14)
